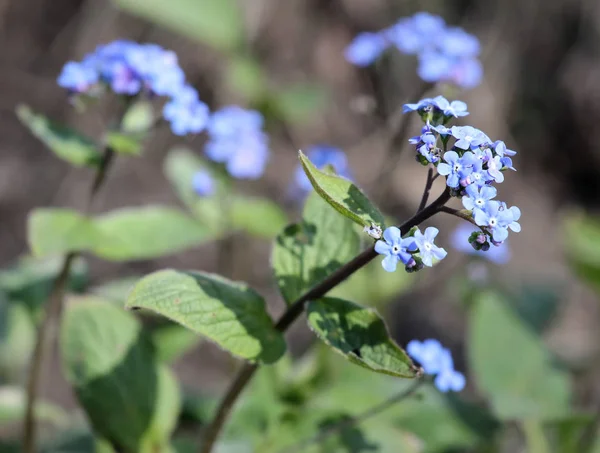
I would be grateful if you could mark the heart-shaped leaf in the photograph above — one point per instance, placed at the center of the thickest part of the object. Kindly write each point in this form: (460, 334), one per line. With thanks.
(360, 335)
(229, 313)
(342, 195)
(307, 252)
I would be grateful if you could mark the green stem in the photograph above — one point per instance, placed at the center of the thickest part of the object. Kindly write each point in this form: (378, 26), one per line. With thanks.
(353, 421)
(296, 309)
(534, 437)
(48, 330)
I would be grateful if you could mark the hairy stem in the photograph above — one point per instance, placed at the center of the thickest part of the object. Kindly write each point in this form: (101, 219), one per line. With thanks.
(353, 421)
(296, 309)
(465, 215)
(48, 330)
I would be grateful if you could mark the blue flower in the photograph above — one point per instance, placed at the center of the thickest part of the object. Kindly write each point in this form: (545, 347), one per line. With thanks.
(203, 183)
(186, 113)
(495, 218)
(434, 66)
(456, 168)
(77, 77)
(458, 43)
(494, 166)
(515, 212)
(454, 108)
(478, 177)
(395, 249)
(419, 106)
(365, 48)
(427, 249)
(236, 139)
(499, 254)
(477, 197)
(466, 73)
(321, 156)
(437, 360)
(428, 147)
(468, 137)
(442, 130)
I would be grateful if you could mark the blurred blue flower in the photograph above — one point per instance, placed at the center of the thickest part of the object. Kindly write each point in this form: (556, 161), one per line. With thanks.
(322, 155)
(395, 249)
(499, 254)
(203, 183)
(129, 68)
(437, 360)
(427, 249)
(236, 139)
(365, 48)
(77, 77)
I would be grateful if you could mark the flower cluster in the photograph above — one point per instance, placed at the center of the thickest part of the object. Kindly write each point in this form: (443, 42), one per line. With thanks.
(445, 54)
(415, 251)
(471, 165)
(236, 139)
(129, 68)
(321, 156)
(437, 360)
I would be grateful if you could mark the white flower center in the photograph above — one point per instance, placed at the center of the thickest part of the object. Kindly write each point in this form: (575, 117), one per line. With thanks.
(479, 202)
(427, 246)
(468, 138)
(456, 167)
(395, 249)
(493, 222)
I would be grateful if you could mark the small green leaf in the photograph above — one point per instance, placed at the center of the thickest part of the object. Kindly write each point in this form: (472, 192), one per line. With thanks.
(501, 343)
(342, 195)
(257, 216)
(110, 363)
(129, 138)
(66, 143)
(121, 235)
(30, 279)
(215, 22)
(306, 253)
(147, 232)
(360, 335)
(583, 239)
(173, 341)
(229, 313)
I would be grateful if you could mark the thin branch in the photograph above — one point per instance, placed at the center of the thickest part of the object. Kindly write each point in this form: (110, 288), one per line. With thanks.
(463, 214)
(296, 309)
(427, 189)
(353, 421)
(48, 330)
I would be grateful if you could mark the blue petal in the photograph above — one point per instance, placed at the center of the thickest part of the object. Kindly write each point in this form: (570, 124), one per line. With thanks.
(444, 169)
(392, 235)
(389, 263)
(383, 248)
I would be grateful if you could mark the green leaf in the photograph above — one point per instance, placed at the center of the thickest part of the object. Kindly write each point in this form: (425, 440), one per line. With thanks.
(30, 279)
(129, 398)
(257, 216)
(121, 235)
(360, 335)
(308, 252)
(66, 143)
(128, 139)
(342, 195)
(501, 343)
(216, 22)
(17, 340)
(583, 239)
(229, 313)
(173, 341)
(299, 103)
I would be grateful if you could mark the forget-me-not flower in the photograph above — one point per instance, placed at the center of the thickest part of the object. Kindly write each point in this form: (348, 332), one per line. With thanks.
(395, 249)
(477, 197)
(437, 360)
(365, 48)
(455, 167)
(427, 249)
(467, 137)
(495, 218)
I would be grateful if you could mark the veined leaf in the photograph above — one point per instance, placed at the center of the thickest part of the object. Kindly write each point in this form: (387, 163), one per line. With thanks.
(307, 252)
(229, 313)
(342, 195)
(360, 335)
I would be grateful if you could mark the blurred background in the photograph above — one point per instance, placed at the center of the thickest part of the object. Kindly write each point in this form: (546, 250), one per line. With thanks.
(539, 94)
